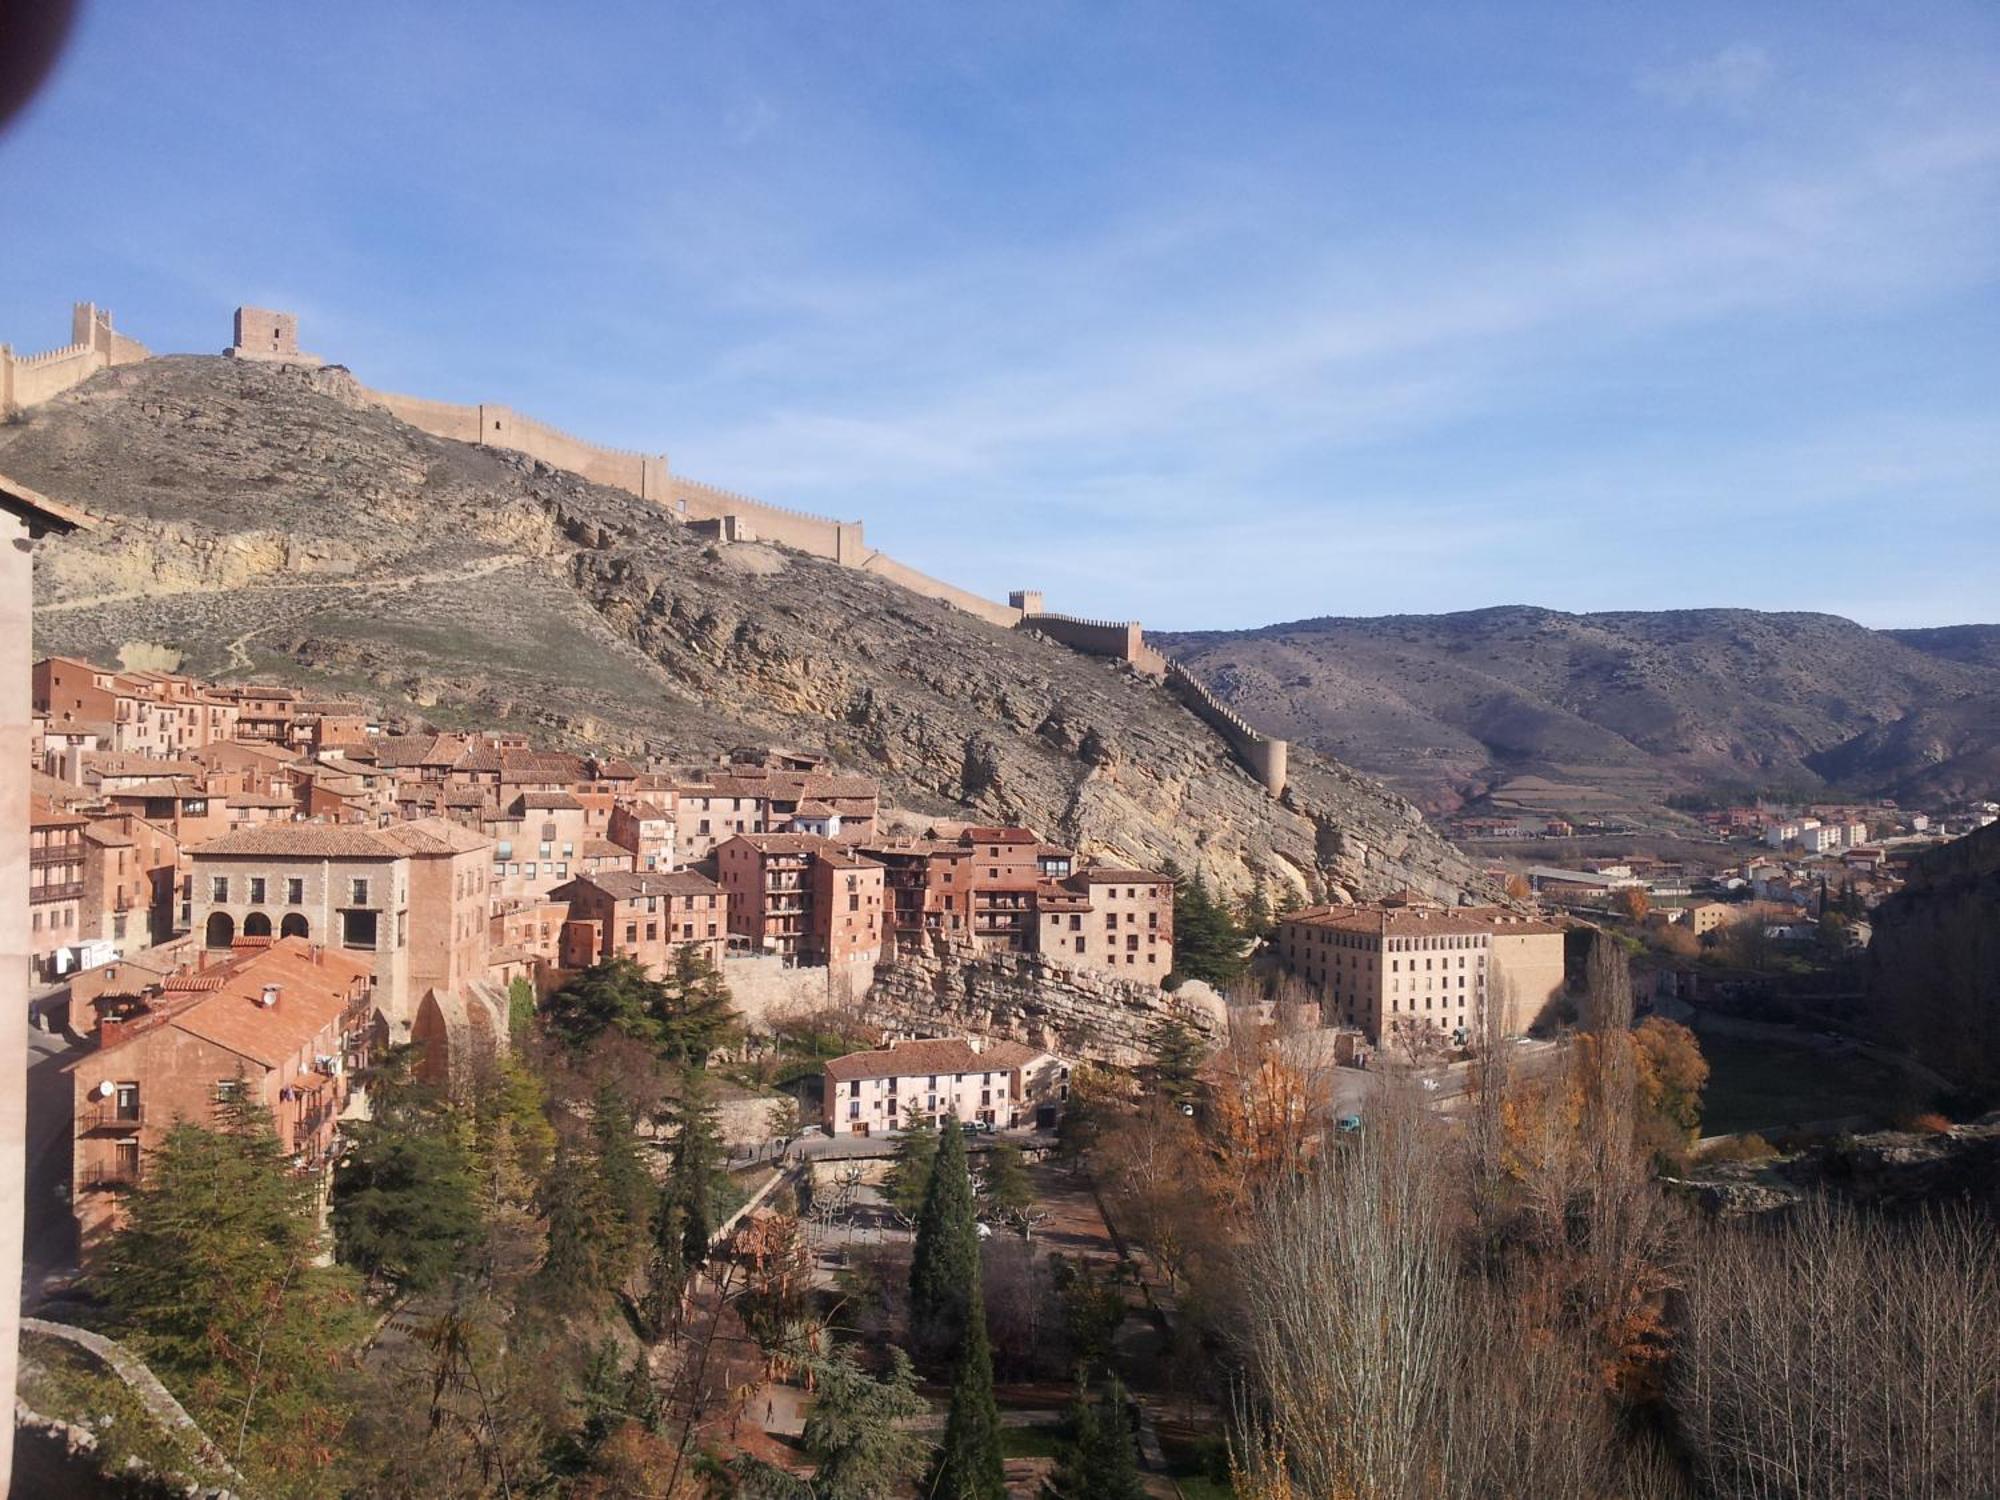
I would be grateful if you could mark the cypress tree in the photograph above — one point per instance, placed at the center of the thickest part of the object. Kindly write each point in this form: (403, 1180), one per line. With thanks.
(969, 1464)
(944, 1273)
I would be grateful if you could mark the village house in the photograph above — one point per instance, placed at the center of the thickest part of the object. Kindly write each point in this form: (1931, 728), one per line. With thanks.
(927, 893)
(1419, 974)
(1005, 870)
(1117, 921)
(56, 855)
(536, 845)
(411, 898)
(151, 713)
(130, 876)
(644, 915)
(644, 828)
(1000, 1083)
(801, 897)
(846, 921)
(283, 1025)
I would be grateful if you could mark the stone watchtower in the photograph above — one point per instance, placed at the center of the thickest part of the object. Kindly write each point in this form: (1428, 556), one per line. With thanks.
(267, 335)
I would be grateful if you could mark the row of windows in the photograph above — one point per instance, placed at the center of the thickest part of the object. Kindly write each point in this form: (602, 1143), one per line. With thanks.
(1372, 944)
(653, 931)
(985, 1079)
(504, 852)
(257, 890)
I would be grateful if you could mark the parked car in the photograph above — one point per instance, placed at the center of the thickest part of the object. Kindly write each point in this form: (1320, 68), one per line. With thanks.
(1348, 1125)
(1430, 1085)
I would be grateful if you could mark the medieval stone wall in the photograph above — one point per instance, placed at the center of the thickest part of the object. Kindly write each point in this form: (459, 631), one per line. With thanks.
(30, 379)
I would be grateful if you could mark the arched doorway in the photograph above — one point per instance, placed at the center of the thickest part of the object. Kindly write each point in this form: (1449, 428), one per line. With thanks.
(221, 929)
(257, 924)
(294, 925)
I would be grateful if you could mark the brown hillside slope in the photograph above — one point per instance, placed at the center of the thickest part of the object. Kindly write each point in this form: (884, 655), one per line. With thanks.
(1445, 706)
(269, 522)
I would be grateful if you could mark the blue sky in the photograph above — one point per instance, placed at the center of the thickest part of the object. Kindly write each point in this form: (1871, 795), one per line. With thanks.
(1208, 315)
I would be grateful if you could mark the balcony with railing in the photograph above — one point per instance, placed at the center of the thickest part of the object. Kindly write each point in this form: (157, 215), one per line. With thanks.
(111, 1174)
(65, 890)
(114, 1118)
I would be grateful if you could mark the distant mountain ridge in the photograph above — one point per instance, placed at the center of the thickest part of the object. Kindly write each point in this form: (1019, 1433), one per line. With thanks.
(1636, 705)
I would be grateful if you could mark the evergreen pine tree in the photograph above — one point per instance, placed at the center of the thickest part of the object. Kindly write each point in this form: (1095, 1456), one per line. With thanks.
(1070, 1478)
(628, 1187)
(1207, 943)
(666, 1266)
(585, 1234)
(213, 1278)
(909, 1177)
(1256, 920)
(693, 1009)
(969, 1464)
(697, 1161)
(1114, 1468)
(1178, 1053)
(1101, 1459)
(944, 1273)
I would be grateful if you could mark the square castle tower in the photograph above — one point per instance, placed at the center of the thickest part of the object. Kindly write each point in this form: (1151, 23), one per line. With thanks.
(270, 336)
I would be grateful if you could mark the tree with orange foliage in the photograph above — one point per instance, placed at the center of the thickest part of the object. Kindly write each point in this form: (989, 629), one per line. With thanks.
(1631, 902)
(1263, 1120)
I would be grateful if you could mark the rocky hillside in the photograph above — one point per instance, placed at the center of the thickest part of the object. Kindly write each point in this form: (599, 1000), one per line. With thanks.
(1934, 964)
(271, 523)
(1632, 706)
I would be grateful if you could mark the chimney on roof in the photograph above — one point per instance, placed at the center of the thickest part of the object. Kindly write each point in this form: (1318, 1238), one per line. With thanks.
(976, 1043)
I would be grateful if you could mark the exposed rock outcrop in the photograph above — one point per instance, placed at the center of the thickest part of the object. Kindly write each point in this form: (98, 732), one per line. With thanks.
(1074, 1012)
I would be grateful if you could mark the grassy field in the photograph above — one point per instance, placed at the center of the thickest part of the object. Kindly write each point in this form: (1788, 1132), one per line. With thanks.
(1767, 1085)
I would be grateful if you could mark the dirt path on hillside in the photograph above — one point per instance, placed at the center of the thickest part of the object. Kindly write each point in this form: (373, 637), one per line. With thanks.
(484, 568)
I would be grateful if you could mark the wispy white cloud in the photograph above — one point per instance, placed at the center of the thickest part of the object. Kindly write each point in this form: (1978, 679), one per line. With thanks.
(1730, 78)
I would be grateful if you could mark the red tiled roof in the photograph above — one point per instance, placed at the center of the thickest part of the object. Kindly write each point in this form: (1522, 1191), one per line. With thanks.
(432, 836)
(628, 885)
(43, 813)
(300, 841)
(1418, 921)
(941, 1055)
(313, 990)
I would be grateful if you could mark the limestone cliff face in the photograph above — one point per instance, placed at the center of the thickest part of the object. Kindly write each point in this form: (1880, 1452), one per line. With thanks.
(1071, 1012)
(270, 522)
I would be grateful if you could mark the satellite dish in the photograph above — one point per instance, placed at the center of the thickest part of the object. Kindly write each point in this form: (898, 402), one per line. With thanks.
(103, 1089)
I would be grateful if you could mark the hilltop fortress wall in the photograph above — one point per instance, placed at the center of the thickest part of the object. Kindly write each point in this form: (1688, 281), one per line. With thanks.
(30, 379)
(271, 336)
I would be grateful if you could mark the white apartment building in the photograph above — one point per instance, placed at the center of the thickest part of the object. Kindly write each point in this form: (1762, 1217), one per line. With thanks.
(1000, 1083)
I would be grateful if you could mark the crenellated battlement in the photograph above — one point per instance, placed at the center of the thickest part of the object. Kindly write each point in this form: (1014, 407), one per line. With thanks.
(30, 379)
